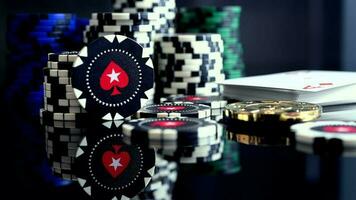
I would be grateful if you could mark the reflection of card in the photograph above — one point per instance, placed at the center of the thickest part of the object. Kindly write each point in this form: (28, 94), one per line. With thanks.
(312, 86)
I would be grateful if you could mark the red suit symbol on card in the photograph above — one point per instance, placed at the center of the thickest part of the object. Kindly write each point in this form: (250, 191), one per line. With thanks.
(321, 85)
(113, 78)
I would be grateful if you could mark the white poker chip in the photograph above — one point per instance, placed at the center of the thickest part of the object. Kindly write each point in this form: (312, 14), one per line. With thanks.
(341, 130)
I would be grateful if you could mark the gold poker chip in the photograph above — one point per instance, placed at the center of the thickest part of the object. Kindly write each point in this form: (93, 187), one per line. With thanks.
(259, 140)
(272, 111)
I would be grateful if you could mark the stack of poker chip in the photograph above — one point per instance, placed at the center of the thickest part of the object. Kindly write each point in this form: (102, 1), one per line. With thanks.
(139, 26)
(165, 8)
(228, 164)
(29, 38)
(252, 122)
(184, 140)
(222, 20)
(174, 109)
(61, 140)
(189, 64)
(216, 103)
(60, 102)
(326, 137)
(163, 181)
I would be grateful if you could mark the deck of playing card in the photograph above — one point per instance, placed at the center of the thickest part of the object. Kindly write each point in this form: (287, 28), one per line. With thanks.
(327, 88)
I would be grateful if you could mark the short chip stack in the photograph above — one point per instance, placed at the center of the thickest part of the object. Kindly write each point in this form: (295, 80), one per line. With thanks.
(222, 20)
(185, 140)
(61, 145)
(165, 8)
(60, 102)
(216, 103)
(139, 26)
(175, 109)
(189, 64)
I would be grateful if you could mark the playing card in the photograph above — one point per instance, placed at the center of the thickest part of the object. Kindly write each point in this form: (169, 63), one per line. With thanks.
(304, 80)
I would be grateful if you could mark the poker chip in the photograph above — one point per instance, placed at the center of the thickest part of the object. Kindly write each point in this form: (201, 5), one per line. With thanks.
(174, 110)
(213, 101)
(326, 132)
(109, 169)
(126, 16)
(59, 98)
(212, 158)
(170, 128)
(189, 64)
(138, 26)
(193, 151)
(63, 116)
(259, 140)
(172, 132)
(64, 57)
(61, 144)
(223, 20)
(271, 111)
(112, 77)
(166, 9)
(228, 164)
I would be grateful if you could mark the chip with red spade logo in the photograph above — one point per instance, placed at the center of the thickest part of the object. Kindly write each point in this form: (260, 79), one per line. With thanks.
(180, 131)
(106, 168)
(213, 101)
(112, 77)
(329, 130)
(185, 109)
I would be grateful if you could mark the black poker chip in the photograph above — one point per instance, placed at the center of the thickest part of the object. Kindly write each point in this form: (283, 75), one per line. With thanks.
(174, 110)
(112, 76)
(107, 168)
(174, 130)
(213, 101)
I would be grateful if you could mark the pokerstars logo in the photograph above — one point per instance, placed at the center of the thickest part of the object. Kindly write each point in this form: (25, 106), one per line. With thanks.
(168, 124)
(339, 129)
(115, 162)
(171, 108)
(113, 78)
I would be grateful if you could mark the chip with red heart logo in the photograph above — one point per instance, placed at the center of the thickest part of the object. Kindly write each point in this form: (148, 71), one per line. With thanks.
(115, 162)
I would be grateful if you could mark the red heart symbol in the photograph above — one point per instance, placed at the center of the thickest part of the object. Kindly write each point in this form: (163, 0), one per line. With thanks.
(114, 162)
(114, 77)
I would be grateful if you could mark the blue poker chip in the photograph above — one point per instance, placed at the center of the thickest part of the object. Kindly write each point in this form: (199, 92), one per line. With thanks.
(113, 77)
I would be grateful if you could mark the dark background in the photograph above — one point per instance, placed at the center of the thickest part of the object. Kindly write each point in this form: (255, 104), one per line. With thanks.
(278, 35)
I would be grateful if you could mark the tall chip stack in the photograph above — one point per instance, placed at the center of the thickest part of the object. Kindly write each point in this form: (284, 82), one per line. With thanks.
(139, 26)
(165, 8)
(189, 64)
(30, 37)
(222, 20)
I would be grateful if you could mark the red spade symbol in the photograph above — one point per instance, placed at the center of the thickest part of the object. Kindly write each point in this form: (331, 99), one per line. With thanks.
(114, 162)
(114, 77)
